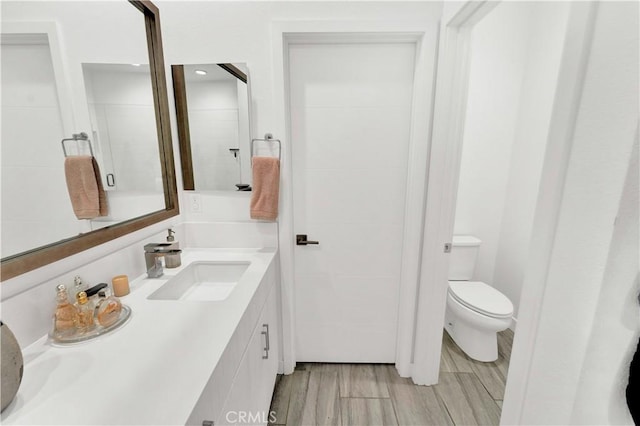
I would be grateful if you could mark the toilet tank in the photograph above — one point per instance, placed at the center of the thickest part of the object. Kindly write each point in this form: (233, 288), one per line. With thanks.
(464, 252)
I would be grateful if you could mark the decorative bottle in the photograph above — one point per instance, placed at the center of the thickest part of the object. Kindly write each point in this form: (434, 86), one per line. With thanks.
(85, 313)
(66, 315)
(78, 286)
(108, 309)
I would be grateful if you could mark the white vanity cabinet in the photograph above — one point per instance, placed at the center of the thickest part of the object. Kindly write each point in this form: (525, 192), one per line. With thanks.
(250, 395)
(242, 383)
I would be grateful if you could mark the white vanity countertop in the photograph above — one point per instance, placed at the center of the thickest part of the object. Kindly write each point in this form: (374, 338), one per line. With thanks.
(152, 370)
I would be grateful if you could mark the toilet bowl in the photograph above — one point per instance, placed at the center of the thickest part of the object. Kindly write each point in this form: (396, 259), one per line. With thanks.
(475, 314)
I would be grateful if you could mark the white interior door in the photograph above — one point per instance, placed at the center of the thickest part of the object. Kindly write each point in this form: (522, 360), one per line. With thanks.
(350, 130)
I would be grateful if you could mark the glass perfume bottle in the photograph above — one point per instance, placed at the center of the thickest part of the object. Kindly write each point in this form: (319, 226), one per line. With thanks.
(108, 309)
(85, 312)
(66, 315)
(78, 286)
(92, 294)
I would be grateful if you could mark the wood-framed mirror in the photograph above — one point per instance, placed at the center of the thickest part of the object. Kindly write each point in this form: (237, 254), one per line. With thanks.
(149, 34)
(213, 111)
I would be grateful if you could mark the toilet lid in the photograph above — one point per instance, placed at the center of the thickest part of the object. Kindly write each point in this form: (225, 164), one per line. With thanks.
(482, 298)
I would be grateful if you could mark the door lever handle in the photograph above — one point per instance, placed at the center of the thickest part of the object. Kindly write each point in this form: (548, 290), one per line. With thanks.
(301, 240)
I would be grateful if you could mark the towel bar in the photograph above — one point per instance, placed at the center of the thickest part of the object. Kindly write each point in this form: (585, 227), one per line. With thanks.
(77, 137)
(268, 137)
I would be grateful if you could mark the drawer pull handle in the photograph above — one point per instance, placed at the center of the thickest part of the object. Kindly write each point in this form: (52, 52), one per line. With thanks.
(265, 333)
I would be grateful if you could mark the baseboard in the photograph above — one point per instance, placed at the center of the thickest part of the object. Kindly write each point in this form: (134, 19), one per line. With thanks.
(288, 367)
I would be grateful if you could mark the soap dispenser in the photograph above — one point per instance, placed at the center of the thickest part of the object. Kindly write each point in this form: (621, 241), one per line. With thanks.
(172, 240)
(173, 256)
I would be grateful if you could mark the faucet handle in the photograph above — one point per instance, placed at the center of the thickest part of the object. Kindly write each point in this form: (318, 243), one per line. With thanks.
(151, 247)
(155, 247)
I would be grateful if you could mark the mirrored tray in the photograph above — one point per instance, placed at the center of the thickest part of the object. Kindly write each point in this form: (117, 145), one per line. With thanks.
(96, 331)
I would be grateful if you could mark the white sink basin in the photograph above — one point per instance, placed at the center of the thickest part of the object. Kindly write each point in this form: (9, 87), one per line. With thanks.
(202, 281)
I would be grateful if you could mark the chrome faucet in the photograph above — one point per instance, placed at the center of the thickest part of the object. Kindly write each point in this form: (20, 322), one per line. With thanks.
(152, 254)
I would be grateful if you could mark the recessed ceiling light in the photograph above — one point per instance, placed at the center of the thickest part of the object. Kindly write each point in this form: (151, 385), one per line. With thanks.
(135, 65)
(201, 72)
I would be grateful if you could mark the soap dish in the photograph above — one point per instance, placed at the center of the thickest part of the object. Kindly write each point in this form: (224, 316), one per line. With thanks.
(96, 331)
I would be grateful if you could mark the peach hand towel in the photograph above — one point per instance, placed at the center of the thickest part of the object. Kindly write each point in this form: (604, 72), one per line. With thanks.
(266, 188)
(85, 187)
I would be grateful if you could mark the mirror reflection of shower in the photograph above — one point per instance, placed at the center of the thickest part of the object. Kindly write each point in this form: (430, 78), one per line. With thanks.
(218, 120)
(236, 154)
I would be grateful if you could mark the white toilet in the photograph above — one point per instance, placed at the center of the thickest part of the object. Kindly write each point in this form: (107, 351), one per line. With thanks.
(476, 312)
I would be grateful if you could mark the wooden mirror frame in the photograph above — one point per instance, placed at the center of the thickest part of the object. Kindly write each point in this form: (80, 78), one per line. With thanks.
(182, 115)
(21, 263)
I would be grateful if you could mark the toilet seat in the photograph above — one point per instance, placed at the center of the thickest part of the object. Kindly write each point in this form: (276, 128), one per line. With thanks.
(481, 298)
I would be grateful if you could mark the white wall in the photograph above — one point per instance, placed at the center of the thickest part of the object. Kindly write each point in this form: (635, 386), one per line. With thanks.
(498, 57)
(87, 36)
(585, 329)
(548, 23)
(514, 68)
(35, 204)
(601, 389)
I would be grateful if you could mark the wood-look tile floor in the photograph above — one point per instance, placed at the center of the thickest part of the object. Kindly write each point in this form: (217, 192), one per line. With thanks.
(469, 392)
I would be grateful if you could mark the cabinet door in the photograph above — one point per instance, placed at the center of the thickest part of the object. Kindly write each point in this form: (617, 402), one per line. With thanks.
(268, 367)
(239, 400)
(250, 395)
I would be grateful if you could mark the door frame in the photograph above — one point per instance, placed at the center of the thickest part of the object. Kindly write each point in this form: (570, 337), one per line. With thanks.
(424, 34)
(449, 116)
(63, 91)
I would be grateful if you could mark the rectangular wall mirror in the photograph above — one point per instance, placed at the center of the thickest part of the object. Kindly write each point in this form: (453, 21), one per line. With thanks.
(214, 125)
(66, 72)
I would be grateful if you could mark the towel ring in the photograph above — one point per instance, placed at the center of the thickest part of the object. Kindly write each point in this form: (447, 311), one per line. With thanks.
(268, 137)
(77, 137)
